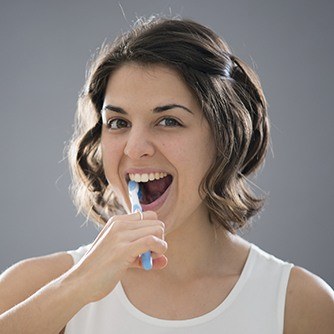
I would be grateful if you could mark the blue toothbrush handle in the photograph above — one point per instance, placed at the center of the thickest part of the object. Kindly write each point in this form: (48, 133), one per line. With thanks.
(134, 192)
(146, 260)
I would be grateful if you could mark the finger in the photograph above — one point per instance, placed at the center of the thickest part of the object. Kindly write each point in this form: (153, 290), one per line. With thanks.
(134, 225)
(158, 263)
(132, 217)
(143, 231)
(147, 215)
(148, 243)
(132, 222)
(155, 255)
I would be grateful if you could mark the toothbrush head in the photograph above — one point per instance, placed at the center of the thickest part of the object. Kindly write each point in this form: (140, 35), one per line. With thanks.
(134, 187)
(134, 194)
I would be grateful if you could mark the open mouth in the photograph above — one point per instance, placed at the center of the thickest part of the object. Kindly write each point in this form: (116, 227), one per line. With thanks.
(151, 190)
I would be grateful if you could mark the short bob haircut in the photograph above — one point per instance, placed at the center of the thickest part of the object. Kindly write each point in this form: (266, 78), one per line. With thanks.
(228, 92)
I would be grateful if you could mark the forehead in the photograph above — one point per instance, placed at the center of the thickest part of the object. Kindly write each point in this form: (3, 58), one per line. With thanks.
(153, 84)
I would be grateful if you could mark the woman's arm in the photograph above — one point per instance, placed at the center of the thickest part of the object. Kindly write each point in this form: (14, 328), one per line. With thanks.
(309, 304)
(31, 302)
(38, 295)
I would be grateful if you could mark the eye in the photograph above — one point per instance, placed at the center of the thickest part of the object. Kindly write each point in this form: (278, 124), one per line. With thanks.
(169, 122)
(117, 123)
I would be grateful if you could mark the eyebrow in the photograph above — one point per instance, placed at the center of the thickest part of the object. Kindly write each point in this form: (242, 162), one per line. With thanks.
(155, 110)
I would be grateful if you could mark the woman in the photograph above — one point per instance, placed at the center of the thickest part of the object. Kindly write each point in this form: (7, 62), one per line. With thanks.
(168, 106)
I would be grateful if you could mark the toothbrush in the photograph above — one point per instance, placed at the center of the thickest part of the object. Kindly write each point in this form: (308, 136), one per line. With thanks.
(135, 193)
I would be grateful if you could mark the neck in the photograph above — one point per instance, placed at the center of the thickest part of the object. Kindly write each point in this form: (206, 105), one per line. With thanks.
(196, 248)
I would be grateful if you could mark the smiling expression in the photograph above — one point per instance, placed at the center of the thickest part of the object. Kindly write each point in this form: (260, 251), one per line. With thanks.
(153, 126)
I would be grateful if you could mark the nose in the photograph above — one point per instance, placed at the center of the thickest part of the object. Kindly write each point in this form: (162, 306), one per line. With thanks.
(139, 144)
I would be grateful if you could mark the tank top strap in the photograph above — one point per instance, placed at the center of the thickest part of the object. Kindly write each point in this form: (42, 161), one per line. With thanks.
(77, 254)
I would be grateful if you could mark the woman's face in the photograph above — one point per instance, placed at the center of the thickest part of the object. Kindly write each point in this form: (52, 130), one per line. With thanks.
(154, 130)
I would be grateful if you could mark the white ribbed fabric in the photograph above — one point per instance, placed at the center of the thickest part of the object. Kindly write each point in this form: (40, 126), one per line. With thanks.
(254, 306)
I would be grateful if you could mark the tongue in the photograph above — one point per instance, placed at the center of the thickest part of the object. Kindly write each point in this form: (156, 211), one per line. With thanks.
(152, 190)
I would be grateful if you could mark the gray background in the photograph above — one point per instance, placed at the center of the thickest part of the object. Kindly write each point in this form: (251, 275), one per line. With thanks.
(44, 48)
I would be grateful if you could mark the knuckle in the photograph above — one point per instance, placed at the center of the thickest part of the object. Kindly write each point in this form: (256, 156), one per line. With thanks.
(150, 215)
(110, 222)
(164, 246)
(116, 218)
(160, 230)
(113, 219)
(161, 247)
(150, 240)
(116, 224)
(154, 243)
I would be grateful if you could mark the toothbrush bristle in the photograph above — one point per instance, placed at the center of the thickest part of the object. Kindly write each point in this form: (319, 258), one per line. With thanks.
(140, 194)
(132, 185)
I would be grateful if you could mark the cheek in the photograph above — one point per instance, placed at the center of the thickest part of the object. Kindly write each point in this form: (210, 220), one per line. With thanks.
(191, 158)
(197, 154)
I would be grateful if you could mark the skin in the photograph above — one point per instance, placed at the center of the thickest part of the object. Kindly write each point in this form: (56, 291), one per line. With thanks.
(155, 140)
(41, 295)
(141, 138)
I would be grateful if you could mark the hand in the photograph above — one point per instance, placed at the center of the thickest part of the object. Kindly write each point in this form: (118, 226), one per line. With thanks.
(117, 248)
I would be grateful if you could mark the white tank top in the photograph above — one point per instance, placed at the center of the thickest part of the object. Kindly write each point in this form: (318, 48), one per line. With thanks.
(254, 306)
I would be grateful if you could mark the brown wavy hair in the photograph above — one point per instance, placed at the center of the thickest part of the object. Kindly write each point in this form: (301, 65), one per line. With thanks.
(231, 98)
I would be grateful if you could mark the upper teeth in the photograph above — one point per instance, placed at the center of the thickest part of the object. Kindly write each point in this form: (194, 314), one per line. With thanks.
(146, 177)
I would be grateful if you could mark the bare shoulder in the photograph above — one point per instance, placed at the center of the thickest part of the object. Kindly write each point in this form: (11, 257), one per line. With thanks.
(24, 278)
(309, 304)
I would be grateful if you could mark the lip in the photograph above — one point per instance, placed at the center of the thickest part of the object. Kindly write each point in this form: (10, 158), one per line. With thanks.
(157, 204)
